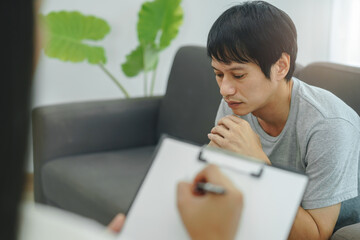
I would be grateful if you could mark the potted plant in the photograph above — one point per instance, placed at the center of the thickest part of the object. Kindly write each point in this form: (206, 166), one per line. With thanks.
(72, 36)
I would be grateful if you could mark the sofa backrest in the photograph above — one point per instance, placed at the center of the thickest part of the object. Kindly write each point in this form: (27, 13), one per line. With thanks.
(341, 80)
(192, 97)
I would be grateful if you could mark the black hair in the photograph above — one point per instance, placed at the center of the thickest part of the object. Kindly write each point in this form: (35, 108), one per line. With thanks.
(255, 32)
(17, 25)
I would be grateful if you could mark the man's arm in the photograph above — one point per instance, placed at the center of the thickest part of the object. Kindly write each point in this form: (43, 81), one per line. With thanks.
(315, 223)
(236, 134)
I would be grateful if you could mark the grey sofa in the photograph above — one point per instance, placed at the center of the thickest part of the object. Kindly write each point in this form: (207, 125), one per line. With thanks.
(90, 157)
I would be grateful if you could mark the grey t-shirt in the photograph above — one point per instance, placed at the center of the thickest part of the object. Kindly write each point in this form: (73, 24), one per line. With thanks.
(322, 139)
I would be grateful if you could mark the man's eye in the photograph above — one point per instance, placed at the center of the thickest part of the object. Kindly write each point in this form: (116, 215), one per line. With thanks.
(219, 74)
(239, 76)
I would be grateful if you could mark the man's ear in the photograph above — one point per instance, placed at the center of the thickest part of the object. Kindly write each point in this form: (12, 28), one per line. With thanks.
(281, 67)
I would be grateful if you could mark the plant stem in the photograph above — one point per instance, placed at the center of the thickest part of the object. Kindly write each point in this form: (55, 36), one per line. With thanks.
(114, 80)
(153, 82)
(145, 83)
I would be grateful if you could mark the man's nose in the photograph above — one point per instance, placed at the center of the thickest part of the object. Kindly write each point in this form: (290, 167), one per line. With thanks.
(226, 87)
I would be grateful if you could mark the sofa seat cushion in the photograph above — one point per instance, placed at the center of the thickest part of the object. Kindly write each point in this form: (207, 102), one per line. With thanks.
(351, 232)
(97, 185)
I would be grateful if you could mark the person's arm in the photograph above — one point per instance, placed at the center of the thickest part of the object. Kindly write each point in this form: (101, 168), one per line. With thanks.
(315, 224)
(330, 162)
(210, 216)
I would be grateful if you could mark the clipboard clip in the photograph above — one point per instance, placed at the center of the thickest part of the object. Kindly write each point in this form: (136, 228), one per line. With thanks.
(231, 161)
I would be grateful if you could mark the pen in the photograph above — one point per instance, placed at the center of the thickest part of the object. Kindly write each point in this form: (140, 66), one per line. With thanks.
(210, 188)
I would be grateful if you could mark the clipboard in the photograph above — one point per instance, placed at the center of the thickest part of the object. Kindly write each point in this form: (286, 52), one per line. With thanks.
(272, 195)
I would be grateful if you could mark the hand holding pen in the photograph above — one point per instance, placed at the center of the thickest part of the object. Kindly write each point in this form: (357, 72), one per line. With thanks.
(211, 206)
(206, 187)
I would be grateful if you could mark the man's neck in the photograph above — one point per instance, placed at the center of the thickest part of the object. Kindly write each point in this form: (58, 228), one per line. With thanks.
(272, 118)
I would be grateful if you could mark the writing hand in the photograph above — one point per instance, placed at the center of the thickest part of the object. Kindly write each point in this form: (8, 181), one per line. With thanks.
(210, 216)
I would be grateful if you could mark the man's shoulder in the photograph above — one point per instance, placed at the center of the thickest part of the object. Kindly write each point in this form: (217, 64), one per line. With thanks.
(318, 105)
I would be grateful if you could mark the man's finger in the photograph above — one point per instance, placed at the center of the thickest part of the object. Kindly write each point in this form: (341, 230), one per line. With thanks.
(213, 144)
(220, 130)
(236, 119)
(227, 122)
(217, 139)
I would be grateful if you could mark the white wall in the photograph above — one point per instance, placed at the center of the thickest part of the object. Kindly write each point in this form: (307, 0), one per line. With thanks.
(59, 82)
(345, 32)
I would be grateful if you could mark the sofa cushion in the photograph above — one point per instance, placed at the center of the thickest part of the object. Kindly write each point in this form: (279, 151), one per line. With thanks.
(351, 232)
(97, 185)
(341, 80)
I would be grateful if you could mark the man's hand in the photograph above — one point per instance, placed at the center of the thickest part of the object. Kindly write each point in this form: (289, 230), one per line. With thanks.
(210, 216)
(235, 134)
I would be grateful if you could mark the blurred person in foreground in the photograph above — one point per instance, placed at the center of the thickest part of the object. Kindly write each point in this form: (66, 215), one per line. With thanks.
(32, 221)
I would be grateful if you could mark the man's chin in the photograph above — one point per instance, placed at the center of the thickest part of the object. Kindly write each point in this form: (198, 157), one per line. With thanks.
(240, 109)
(240, 113)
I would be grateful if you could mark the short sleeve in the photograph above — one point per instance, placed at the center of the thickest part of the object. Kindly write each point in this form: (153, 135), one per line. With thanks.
(332, 158)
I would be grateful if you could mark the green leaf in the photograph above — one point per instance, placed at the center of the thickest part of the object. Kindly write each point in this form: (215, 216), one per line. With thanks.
(171, 25)
(143, 58)
(159, 17)
(68, 36)
(151, 57)
(158, 25)
(134, 63)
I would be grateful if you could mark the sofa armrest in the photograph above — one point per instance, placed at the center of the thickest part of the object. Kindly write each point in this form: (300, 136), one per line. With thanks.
(350, 232)
(78, 128)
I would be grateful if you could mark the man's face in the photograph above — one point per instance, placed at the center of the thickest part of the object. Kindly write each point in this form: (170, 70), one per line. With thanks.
(244, 86)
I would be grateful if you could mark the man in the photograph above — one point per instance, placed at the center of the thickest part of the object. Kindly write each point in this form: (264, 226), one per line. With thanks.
(268, 114)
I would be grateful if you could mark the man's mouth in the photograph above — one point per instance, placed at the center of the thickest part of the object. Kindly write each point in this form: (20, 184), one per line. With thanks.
(233, 104)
